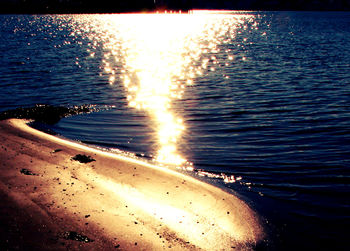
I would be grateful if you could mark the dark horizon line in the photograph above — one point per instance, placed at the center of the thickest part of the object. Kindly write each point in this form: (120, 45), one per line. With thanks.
(169, 11)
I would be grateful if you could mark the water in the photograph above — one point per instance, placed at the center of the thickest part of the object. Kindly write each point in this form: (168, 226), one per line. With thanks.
(270, 105)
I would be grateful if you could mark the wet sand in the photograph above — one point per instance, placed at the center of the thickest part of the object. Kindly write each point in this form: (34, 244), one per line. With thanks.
(52, 201)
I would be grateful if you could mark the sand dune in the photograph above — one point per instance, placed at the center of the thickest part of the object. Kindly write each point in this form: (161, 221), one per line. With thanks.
(50, 201)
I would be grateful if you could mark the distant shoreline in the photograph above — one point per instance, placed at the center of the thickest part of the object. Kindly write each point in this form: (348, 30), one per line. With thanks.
(152, 6)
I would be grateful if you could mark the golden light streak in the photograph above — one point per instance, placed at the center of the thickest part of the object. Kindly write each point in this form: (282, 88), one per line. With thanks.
(159, 51)
(160, 55)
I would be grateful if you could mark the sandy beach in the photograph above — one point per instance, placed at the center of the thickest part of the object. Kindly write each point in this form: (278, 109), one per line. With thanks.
(52, 201)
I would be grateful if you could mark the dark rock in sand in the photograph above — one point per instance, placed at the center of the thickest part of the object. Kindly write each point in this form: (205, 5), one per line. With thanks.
(45, 113)
(83, 158)
(27, 172)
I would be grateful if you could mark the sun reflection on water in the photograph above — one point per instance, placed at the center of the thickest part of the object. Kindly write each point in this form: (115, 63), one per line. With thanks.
(155, 56)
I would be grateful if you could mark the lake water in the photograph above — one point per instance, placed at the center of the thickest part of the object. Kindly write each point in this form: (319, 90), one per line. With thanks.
(263, 96)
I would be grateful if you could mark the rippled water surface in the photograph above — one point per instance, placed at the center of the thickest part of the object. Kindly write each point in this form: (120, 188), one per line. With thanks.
(264, 96)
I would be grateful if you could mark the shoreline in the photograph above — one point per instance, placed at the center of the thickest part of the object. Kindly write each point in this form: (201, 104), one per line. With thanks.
(53, 202)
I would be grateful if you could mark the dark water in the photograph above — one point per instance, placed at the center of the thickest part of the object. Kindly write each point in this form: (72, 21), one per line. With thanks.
(281, 120)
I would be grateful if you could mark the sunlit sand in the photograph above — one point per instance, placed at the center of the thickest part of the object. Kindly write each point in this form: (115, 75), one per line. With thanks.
(114, 201)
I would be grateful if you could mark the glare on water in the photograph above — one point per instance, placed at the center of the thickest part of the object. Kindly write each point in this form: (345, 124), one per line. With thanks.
(160, 55)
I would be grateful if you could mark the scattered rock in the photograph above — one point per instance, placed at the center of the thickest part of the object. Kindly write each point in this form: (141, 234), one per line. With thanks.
(56, 150)
(83, 158)
(71, 235)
